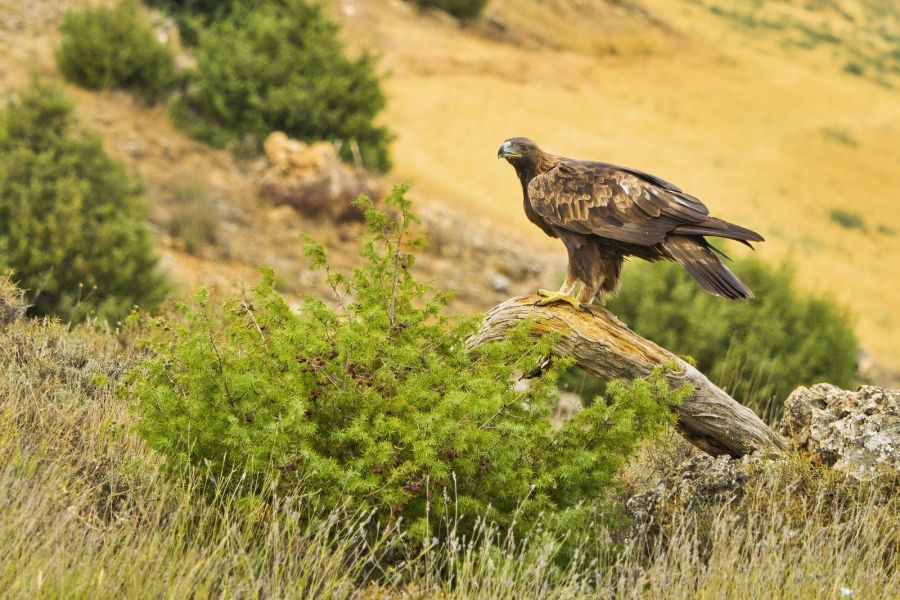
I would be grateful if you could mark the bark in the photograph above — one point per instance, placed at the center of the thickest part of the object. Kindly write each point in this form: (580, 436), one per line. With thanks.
(603, 346)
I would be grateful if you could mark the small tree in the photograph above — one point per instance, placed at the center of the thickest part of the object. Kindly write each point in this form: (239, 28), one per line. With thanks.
(380, 404)
(71, 219)
(279, 65)
(115, 48)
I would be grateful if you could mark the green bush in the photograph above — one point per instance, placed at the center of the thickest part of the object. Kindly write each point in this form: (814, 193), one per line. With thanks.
(115, 48)
(71, 218)
(379, 404)
(847, 219)
(760, 349)
(206, 7)
(192, 16)
(280, 66)
(462, 9)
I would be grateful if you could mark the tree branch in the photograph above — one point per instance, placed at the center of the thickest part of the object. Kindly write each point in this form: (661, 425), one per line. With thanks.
(603, 346)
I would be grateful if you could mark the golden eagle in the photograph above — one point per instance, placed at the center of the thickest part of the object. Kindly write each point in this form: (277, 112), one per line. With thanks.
(604, 213)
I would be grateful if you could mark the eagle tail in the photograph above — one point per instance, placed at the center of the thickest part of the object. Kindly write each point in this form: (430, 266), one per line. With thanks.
(719, 228)
(696, 256)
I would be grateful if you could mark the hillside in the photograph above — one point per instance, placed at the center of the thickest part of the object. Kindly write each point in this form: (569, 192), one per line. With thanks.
(770, 133)
(322, 421)
(772, 136)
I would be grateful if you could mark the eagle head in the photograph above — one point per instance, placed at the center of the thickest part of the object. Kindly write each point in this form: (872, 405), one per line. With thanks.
(518, 150)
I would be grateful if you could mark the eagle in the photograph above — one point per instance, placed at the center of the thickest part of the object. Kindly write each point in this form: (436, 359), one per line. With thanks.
(604, 213)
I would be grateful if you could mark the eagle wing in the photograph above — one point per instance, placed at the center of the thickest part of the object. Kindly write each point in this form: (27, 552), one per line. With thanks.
(618, 203)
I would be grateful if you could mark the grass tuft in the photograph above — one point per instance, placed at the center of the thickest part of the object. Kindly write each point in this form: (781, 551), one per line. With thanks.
(847, 219)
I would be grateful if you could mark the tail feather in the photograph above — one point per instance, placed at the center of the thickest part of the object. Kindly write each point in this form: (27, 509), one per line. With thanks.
(719, 228)
(696, 256)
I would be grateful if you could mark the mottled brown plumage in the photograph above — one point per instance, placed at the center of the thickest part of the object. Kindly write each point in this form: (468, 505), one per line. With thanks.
(604, 213)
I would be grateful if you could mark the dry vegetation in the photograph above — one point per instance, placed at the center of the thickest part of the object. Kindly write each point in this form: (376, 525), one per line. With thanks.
(87, 512)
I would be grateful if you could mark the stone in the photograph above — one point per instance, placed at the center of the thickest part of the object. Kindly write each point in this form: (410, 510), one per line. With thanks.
(698, 481)
(855, 432)
(499, 283)
(312, 179)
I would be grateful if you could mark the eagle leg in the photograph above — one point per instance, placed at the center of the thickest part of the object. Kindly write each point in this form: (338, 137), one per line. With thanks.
(551, 297)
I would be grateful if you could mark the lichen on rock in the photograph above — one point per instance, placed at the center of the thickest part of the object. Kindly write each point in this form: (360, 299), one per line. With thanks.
(855, 432)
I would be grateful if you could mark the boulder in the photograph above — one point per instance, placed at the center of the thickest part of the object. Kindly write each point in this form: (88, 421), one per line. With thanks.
(853, 432)
(697, 482)
(856, 432)
(312, 179)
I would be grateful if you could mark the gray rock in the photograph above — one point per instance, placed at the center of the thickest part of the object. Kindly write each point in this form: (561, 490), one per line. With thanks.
(698, 481)
(854, 432)
(499, 283)
(857, 433)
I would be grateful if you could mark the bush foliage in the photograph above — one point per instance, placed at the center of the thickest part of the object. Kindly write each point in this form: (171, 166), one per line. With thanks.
(115, 48)
(192, 16)
(71, 218)
(760, 349)
(206, 7)
(847, 219)
(462, 9)
(379, 403)
(279, 65)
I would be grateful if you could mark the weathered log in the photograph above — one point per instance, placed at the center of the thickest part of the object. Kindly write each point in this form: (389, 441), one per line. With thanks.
(604, 346)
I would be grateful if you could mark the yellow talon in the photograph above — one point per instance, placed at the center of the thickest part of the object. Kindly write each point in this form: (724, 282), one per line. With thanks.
(551, 297)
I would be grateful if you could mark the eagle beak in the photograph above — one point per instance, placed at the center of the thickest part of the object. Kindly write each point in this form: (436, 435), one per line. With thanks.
(505, 152)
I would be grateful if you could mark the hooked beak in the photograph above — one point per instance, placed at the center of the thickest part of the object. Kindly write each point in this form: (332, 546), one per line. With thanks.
(505, 151)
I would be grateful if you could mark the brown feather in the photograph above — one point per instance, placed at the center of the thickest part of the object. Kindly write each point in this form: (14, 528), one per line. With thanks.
(603, 213)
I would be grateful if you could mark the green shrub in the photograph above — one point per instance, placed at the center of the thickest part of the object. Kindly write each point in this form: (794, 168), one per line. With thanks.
(854, 68)
(192, 16)
(280, 66)
(206, 7)
(847, 219)
(71, 218)
(758, 350)
(379, 404)
(462, 9)
(115, 48)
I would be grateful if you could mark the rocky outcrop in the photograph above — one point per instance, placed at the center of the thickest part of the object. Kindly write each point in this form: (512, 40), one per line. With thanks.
(699, 481)
(313, 180)
(853, 432)
(857, 433)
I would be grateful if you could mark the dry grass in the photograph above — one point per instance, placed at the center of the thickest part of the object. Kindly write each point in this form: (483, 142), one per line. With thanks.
(88, 512)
